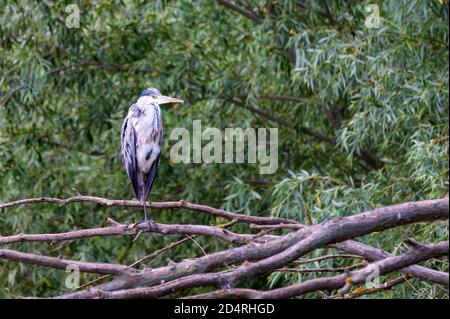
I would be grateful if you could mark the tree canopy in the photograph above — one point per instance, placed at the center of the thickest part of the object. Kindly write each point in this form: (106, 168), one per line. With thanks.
(361, 111)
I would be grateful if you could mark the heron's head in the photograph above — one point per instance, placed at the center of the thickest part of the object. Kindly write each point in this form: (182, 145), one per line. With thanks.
(155, 96)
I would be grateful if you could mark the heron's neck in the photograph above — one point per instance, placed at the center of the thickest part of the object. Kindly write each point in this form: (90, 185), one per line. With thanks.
(147, 105)
(150, 108)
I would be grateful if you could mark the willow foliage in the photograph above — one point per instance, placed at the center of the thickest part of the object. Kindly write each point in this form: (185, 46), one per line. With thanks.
(378, 95)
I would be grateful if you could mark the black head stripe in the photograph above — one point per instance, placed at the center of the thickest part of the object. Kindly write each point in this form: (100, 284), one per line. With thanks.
(150, 91)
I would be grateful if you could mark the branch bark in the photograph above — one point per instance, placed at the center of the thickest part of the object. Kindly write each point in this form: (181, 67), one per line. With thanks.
(132, 229)
(342, 281)
(349, 246)
(58, 263)
(328, 283)
(374, 254)
(365, 291)
(155, 205)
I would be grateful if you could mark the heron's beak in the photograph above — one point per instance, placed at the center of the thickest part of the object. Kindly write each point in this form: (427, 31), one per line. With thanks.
(167, 99)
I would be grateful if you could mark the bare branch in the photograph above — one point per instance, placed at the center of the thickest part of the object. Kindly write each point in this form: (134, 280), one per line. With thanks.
(271, 255)
(312, 260)
(54, 262)
(330, 283)
(155, 205)
(373, 254)
(143, 259)
(126, 229)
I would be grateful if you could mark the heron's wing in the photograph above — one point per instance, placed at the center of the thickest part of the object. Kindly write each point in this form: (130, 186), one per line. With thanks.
(154, 168)
(151, 177)
(128, 152)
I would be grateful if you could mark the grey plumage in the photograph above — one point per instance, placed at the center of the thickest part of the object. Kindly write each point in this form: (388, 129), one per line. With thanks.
(141, 141)
(142, 133)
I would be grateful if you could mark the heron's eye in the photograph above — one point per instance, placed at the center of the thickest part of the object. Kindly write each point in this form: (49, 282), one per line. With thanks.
(154, 96)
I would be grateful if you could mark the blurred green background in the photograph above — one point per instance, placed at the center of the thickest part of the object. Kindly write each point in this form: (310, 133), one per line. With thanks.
(362, 118)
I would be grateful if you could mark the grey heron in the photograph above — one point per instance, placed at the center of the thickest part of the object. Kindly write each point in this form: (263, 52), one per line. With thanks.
(141, 142)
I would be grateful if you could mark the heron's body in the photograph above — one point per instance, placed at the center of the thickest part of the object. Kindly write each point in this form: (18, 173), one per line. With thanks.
(141, 141)
(143, 127)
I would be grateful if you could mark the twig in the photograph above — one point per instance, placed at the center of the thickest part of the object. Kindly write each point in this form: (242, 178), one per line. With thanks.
(242, 11)
(196, 243)
(10, 94)
(279, 226)
(143, 259)
(155, 253)
(374, 254)
(360, 291)
(100, 65)
(312, 260)
(313, 270)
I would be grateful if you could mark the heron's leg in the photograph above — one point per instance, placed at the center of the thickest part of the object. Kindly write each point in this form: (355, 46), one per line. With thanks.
(145, 220)
(151, 225)
(145, 211)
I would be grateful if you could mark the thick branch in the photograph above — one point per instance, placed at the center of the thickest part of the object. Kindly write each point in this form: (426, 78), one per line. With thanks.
(373, 254)
(418, 254)
(275, 253)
